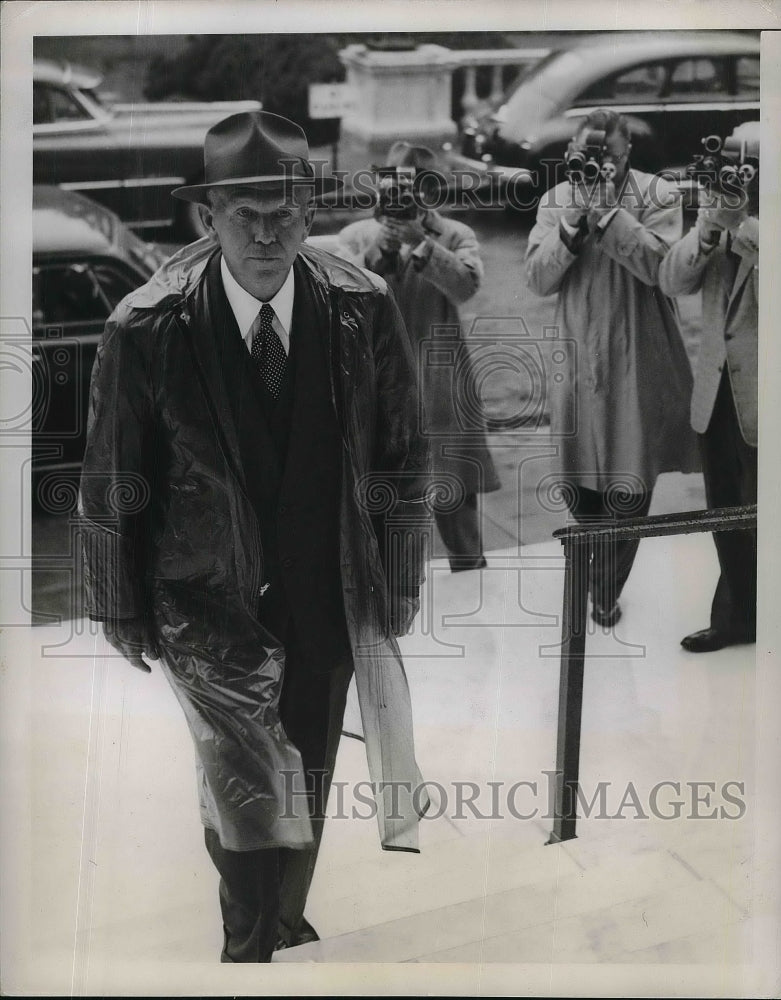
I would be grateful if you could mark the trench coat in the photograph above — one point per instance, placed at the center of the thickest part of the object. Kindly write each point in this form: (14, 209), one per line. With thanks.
(730, 320)
(429, 290)
(169, 532)
(619, 407)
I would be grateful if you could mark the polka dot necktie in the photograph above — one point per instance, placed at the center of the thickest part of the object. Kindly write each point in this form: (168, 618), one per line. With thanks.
(267, 350)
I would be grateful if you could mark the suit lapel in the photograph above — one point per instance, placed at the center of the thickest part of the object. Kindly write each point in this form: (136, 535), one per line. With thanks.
(740, 273)
(227, 383)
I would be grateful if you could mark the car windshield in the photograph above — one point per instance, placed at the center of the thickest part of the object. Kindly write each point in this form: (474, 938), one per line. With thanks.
(149, 255)
(538, 92)
(97, 98)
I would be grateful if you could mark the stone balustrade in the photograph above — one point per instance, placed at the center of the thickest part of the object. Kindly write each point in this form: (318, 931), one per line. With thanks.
(408, 94)
(470, 60)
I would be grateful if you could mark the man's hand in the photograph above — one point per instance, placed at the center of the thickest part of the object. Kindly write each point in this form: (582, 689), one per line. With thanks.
(387, 240)
(131, 638)
(579, 204)
(409, 231)
(718, 212)
(604, 199)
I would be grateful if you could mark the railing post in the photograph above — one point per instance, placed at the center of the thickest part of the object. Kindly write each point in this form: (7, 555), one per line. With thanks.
(497, 90)
(573, 651)
(469, 97)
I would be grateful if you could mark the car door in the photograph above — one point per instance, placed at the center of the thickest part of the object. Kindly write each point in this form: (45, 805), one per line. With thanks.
(78, 146)
(72, 298)
(71, 142)
(699, 99)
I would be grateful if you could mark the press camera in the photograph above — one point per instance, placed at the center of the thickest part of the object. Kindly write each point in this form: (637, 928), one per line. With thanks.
(724, 165)
(585, 161)
(397, 196)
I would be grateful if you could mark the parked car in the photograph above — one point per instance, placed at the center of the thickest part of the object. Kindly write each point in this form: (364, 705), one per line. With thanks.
(674, 87)
(126, 156)
(84, 261)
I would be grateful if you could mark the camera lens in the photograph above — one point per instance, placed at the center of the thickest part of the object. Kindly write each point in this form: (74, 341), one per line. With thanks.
(747, 173)
(591, 170)
(608, 170)
(712, 144)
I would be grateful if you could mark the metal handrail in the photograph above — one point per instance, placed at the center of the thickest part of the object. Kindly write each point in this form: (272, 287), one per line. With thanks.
(576, 539)
(685, 523)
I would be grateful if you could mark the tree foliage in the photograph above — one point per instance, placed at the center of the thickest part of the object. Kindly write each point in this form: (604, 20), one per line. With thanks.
(273, 69)
(277, 69)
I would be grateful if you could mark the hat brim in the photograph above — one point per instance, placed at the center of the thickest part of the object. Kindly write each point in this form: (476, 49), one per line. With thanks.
(198, 192)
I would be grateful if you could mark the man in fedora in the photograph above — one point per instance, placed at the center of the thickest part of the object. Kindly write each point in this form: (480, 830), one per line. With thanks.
(432, 264)
(244, 404)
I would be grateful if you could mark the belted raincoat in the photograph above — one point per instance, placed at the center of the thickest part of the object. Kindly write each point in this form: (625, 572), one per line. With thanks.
(169, 533)
(619, 408)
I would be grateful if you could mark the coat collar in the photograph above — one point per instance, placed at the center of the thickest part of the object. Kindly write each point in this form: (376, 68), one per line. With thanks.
(177, 278)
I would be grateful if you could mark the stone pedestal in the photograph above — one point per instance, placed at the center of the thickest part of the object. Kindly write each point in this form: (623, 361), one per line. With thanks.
(398, 95)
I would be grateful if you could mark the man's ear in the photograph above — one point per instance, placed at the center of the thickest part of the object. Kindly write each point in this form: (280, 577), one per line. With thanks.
(207, 218)
(309, 214)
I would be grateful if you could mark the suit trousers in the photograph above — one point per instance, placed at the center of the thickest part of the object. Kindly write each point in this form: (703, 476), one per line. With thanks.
(610, 562)
(461, 534)
(263, 893)
(730, 469)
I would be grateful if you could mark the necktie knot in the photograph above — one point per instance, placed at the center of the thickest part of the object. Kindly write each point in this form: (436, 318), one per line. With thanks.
(267, 350)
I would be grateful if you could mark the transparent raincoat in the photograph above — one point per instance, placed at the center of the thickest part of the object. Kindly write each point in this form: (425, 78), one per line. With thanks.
(169, 533)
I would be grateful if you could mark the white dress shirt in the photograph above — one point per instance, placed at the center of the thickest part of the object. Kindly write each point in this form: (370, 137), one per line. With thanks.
(246, 307)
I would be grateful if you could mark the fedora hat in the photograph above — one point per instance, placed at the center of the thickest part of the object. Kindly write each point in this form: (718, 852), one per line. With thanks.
(256, 148)
(403, 154)
(433, 178)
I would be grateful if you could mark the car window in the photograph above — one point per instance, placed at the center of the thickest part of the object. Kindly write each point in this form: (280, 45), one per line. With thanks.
(747, 76)
(638, 84)
(67, 293)
(114, 282)
(693, 78)
(41, 111)
(53, 104)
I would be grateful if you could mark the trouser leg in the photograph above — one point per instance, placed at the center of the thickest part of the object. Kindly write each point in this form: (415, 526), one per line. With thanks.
(312, 710)
(610, 561)
(249, 900)
(730, 471)
(462, 535)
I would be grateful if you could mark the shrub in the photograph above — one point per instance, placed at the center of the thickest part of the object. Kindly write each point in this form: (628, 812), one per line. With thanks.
(273, 69)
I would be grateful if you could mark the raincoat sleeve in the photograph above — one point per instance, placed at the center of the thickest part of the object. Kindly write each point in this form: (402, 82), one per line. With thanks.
(353, 243)
(457, 270)
(683, 269)
(640, 245)
(401, 456)
(547, 257)
(116, 480)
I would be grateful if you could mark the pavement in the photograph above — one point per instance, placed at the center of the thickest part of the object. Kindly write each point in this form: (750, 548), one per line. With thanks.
(113, 892)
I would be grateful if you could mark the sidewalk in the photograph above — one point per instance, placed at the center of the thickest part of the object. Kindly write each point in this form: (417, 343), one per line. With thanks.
(124, 901)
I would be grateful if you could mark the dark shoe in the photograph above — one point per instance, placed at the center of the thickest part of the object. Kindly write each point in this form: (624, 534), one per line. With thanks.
(305, 934)
(460, 563)
(606, 618)
(708, 640)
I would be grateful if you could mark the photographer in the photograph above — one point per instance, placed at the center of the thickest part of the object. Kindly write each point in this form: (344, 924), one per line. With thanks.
(432, 264)
(720, 257)
(620, 413)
